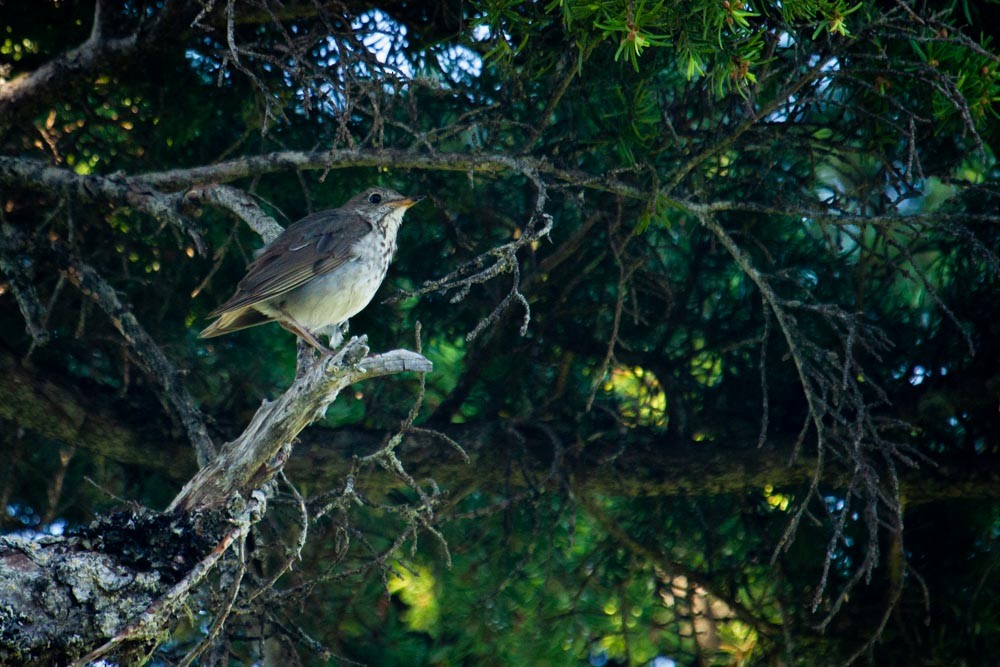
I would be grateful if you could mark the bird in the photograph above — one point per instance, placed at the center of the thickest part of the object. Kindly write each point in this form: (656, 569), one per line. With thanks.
(320, 271)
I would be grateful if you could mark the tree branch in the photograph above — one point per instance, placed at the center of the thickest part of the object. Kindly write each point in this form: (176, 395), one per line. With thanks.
(159, 369)
(148, 625)
(249, 461)
(28, 94)
(116, 189)
(239, 203)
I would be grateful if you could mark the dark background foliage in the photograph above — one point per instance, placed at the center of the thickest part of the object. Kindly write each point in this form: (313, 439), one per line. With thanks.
(751, 419)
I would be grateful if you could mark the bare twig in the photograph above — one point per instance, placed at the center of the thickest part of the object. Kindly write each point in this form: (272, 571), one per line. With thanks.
(295, 552)
(223, 612)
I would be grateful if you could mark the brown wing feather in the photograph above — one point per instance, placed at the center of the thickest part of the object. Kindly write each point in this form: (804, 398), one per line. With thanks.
(314, 245)
(234, 320)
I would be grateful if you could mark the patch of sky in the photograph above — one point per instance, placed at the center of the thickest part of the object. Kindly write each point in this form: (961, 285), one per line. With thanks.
(598, 658)
(385, 39)
(662, 661)
(484, 33)
(202, 61)
(833, 503)
(460, 63)
(481, 33)
(918, 375)
(821, 86)
(31, 520)
(808, 278)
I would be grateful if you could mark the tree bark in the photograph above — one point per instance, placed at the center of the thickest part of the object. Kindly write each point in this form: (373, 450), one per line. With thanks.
(118, 584)
(252, 459)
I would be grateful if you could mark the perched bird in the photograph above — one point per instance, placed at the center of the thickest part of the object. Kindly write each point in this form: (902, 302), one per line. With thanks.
(320, 271)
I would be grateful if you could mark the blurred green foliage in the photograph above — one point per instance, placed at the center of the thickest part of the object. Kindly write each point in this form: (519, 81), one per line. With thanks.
(563, 550)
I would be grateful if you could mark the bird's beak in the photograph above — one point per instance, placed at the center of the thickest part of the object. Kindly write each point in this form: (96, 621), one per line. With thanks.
(408, 202)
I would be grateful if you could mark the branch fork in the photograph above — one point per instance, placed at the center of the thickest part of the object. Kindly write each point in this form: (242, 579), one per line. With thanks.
(245, 461)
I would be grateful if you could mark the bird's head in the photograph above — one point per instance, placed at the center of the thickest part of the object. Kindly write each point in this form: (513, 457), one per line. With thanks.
(383, 207)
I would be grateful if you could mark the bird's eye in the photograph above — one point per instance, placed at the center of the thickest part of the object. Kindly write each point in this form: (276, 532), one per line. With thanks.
(375, 198)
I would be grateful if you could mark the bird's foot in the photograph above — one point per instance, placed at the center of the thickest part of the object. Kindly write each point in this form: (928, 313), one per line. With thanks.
(336, 334)
(357, 352)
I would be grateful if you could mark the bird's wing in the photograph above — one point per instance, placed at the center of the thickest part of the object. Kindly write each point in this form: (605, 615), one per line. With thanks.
(314, 245)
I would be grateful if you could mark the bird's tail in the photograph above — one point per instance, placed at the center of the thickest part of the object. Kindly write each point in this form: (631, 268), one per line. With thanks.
(234, 321)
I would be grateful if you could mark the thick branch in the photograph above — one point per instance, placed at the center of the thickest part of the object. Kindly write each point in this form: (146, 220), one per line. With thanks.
(241, 204)
(652, 465)
(249, 461)
(63, 595)
(254, 165)
(149, 192)
(116, 189)
(147, 627)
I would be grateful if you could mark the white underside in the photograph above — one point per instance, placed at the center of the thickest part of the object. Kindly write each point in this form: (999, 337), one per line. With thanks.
(330, 299)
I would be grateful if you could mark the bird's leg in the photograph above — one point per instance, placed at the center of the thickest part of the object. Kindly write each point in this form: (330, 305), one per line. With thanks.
(306, 337)
(290, 324)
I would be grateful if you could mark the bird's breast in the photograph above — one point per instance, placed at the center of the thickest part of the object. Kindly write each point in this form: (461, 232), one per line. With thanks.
(341, 294)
